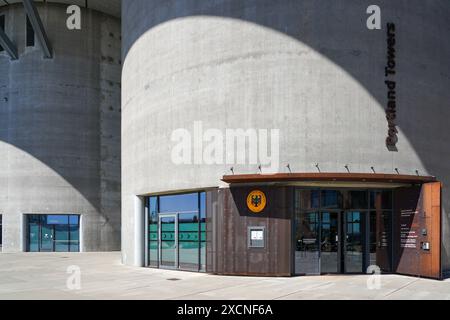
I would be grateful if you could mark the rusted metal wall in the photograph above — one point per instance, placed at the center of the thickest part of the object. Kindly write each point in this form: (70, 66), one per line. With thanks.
(229, 242)
(417, 221)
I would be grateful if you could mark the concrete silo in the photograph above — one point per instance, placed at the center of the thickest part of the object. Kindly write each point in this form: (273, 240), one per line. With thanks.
(60, 127)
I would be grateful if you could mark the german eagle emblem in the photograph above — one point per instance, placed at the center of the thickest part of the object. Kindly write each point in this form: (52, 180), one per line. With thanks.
(256, 201)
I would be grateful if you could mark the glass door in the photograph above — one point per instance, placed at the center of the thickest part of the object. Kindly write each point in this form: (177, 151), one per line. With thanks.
(47, 235)
(329, 243)
(307, 243)
(354, 244)
(168, 241)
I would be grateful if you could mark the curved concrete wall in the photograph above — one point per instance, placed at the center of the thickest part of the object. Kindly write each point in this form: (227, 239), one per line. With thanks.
(309, 68)
(60, 127)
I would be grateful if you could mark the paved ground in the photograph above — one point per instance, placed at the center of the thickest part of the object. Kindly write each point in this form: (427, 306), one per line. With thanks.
(44, 276)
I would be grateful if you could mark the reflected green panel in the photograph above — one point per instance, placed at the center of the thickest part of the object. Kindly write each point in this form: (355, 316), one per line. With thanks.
(61, 238)
(53, 233)
(153, 253)
(168, 253)
(47, 238)
(188, 242)
(177, 231)
(153, 236)
(74, 238)
(189, 254)
(168, 242)
(188, 227)
(33, 237)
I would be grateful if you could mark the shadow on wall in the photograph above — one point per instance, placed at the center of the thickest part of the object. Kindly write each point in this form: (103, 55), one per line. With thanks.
(337, 30)
(64, 115)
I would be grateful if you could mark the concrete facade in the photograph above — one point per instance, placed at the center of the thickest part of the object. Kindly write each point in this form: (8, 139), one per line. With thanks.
(60, 126)
(309, 68)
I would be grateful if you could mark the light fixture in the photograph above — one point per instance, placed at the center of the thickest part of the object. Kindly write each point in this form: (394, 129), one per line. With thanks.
(289, 168)
(317, 166)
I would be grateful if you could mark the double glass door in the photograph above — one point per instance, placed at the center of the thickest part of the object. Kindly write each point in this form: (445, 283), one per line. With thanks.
(331, 242)
(168, 243)
(181, 241)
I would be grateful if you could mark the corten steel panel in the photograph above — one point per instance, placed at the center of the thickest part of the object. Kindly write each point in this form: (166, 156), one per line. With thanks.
(430, 218)
(417, 217)
(211, 232)
(350, 177)
(233, 255)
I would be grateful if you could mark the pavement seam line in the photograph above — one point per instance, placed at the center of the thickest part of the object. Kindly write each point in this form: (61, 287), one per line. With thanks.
(313, 288)
(401, 288)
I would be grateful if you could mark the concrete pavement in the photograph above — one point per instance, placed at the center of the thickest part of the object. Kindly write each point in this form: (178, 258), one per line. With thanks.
(44, 276)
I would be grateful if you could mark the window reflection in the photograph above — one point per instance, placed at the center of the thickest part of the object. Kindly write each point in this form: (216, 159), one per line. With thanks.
(53, 233)
(178, 203)
(187, 215)
(352, 229)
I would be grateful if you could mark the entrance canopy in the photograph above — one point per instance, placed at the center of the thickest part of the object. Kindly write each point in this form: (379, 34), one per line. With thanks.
(329, 177)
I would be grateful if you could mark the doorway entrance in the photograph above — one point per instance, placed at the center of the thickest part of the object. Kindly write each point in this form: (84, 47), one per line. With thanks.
(177, 231)
(329, 238)
(168, 243)
(335, 242)
(343, 242)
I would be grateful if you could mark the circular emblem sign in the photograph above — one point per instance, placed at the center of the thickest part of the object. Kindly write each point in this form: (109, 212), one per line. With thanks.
(256, 201)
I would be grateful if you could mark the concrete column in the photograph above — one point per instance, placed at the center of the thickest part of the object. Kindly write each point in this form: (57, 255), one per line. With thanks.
(139, 229)
(81, 233)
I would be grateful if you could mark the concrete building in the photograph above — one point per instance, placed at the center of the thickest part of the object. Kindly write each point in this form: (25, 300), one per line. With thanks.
(252, 137)
(362, 120)
(60, 127)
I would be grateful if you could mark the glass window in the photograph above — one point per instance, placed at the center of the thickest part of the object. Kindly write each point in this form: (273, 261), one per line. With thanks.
(53, 233)
(203, 231)
(62, 238)
(308, 199)
(331, 199)
(58, 220)
(381, 200)
(307, 243)
(357, 200)
(74, 233)
(33, 237)
(188, 213)
(178, 203)
(74, 220)
(188, 241)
